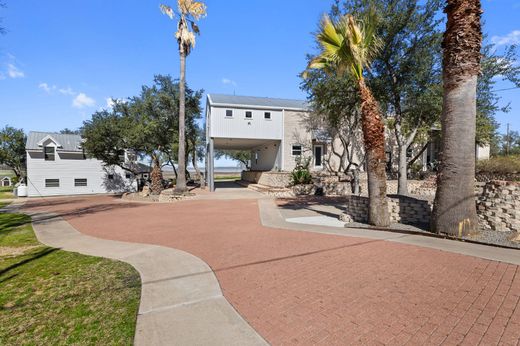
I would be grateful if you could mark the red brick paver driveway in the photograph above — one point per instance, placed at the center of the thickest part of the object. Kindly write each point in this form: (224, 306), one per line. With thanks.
(306, 288)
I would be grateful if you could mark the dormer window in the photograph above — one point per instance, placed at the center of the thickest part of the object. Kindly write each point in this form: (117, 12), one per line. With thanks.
(49, 153)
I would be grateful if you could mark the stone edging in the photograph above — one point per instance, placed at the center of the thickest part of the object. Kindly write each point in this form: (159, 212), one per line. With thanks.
(181, 300)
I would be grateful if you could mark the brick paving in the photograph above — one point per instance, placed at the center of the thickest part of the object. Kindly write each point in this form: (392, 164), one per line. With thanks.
(308, 288)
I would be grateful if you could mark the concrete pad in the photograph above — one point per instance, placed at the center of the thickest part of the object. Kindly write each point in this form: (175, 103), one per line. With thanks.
(317, 220)
(208, 322)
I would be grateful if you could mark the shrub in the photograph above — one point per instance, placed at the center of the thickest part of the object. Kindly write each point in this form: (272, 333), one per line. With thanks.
(301, 174)
(500, 164)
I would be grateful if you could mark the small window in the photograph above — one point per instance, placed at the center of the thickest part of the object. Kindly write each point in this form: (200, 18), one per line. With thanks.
(229, 113)
(128, 176)
(296, 150)
(49, 153)
(80, 182)
(52, 183)
(249, 114)
(267, 115)
(110, 177)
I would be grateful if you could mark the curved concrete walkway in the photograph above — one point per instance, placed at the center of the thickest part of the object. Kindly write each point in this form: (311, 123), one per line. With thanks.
(181, 300)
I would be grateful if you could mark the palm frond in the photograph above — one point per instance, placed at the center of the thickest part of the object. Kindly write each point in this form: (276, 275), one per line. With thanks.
(167, 10)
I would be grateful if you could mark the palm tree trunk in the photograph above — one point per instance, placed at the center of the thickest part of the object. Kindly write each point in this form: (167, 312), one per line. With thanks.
(374, 139)
(180, 186)
(454, 210)
(156, 176)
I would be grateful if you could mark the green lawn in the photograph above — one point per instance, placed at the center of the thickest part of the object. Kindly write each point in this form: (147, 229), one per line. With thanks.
(6, 192)
(49, 296)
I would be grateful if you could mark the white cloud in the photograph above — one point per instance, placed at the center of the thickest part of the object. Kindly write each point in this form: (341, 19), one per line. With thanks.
(46, 87)
(14, 72)
(228, 81)
(82, 100)
(512, 38)
(67, 91)
(111, 102)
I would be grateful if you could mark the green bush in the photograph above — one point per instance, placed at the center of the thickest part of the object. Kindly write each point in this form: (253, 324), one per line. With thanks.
(301, 174)
(500, 164)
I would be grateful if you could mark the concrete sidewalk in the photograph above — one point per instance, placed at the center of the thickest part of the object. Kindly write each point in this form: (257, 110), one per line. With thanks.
(181, 300)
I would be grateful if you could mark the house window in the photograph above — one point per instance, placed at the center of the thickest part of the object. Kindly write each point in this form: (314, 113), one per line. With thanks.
(49, 153)
(249, 114)
(80, 182)
(229, 113)
(267, 115)
(110, 177)
(296, 150)
(128, 176)
(52, 183)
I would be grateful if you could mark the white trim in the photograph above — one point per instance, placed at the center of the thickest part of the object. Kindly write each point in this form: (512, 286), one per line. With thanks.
(237, 105)
(40, 143)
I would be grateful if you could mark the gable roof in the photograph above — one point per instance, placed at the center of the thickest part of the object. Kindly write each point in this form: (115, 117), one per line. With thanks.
(65, 142)
(256, 102)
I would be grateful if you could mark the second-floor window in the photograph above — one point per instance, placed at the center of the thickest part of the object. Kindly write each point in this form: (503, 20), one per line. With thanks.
(49, 153)
(296, 150)
(249, 114)
(229, 113)
(267, 115)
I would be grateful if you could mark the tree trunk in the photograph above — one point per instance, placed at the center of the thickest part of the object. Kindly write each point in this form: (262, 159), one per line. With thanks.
(180, 186)
(156, 176)
(402, 180)
(374, 139)
(454, 210)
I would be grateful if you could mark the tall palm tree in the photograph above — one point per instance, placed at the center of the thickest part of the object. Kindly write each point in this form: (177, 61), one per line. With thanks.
(189, 11)
(348, 46)
(454, 210)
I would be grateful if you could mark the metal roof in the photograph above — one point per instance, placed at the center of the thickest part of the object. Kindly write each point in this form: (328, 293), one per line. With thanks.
(256, 102)
(67, 142)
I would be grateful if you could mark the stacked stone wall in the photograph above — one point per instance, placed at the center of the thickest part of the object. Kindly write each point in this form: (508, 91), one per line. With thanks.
(498, 207)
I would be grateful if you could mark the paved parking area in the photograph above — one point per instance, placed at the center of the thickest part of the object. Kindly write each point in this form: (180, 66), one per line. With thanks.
(309, 288)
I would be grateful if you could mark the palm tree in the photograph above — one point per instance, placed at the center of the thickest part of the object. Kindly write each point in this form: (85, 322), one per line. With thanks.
(189, 12)
(348, 46)
(454, 210)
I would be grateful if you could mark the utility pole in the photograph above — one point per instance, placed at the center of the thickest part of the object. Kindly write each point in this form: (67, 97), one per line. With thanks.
(508, 140)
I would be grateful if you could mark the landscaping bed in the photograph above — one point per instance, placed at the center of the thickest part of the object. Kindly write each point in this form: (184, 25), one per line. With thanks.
(49, 296)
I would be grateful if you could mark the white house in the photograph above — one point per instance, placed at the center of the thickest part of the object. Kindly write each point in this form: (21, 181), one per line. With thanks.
(5, 181)
(57, 165)
(272, 129)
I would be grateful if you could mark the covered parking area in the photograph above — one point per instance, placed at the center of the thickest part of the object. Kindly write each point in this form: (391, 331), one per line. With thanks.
(266, 154)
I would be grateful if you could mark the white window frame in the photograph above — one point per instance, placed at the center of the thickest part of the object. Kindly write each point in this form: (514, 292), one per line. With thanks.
(53, 153)
(292, 150)
(76, 182)
(51, 187)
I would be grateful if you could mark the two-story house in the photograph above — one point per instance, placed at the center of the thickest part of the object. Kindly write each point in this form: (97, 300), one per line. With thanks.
(274, 130)
(57, 165)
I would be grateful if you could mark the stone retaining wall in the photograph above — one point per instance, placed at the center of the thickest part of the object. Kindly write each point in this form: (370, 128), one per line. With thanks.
(498, 207)
(272, 179)
(403, 209)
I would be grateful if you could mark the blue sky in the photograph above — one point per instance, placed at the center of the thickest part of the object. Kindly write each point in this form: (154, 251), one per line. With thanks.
(61, 60)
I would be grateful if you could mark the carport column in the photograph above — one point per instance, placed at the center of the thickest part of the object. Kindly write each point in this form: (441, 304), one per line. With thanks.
(211, 165)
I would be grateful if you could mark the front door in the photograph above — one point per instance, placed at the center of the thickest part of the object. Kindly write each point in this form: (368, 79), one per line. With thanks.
(318, 156)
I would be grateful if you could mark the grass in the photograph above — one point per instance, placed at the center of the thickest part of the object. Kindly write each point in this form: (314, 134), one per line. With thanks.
(6, 192)
(49, 296)
(500, 164)
(227, 177)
